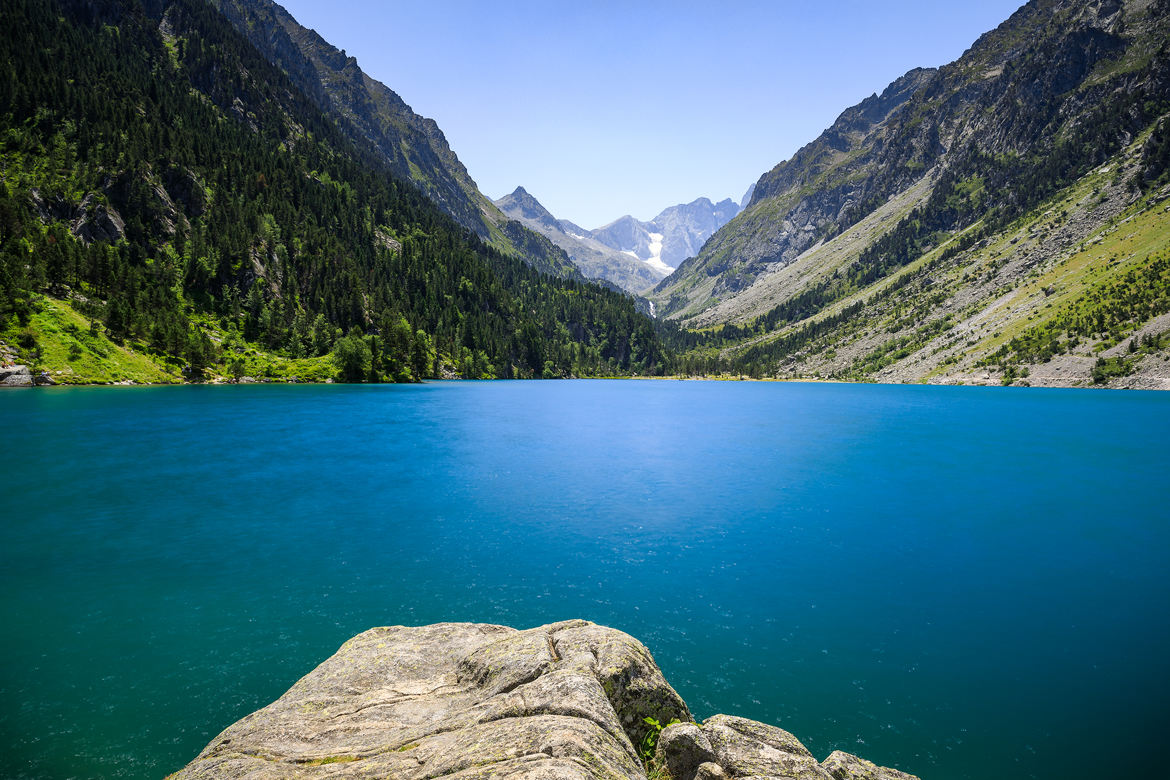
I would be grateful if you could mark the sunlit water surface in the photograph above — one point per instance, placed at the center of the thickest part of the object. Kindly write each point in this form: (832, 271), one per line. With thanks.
(960, 582)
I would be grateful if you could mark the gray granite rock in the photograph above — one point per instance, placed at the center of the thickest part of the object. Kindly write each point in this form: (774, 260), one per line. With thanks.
(456, 699)
(844, 766)
(15, 376)
(747, 748)
(682, 748)
(96, 221)
(469, 701)
(711, 771)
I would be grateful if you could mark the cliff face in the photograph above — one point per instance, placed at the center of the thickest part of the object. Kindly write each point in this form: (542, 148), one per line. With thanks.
(474, 701)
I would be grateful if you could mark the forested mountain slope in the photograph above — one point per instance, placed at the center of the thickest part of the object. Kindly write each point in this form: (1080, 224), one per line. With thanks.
(943, 229)
(413, 147)
(169, 196)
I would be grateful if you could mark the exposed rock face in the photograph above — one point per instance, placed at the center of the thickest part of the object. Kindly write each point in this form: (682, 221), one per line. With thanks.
(15, 376)
(632, 254)
(474, 701)
(844, 766)
(724, 746)
(677, 233)
(90, 220)
(687, 226)
(564, 700)
(97, 222)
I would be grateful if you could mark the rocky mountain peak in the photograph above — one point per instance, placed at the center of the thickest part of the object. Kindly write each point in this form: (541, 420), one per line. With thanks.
(595, 259)
(520, 204)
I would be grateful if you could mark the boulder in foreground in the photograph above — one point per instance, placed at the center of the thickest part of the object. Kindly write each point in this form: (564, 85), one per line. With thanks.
(480, 702)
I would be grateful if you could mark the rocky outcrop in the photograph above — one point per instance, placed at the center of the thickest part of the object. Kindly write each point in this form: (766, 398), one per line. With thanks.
(95, 221)
(15, 376)
(161, 204)
(91, 220)
(683, 748)
(474, 701)
(724, 746)
(843, 766)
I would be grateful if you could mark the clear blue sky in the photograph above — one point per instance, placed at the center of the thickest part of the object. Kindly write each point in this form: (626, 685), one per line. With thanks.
(601, 109)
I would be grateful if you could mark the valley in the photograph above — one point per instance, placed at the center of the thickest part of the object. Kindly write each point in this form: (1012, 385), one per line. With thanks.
(997, 220)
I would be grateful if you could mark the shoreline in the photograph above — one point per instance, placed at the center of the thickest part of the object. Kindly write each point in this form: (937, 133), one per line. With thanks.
(36, 382)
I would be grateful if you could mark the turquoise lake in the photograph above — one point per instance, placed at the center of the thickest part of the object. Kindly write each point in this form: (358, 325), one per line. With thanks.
(959, 582)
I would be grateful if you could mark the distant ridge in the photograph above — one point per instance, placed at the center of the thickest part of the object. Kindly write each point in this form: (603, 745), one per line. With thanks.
(632, 254)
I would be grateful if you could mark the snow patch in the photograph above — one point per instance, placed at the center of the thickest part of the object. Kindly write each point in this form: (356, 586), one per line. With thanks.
(655, 259)
(658, 265)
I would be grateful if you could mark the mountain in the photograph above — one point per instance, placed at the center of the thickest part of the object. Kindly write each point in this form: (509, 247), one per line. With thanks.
(999, 219)
(627, 252)
(412, 147)
(747, 196)
(685, 228)
(671, 237)
(593, 259)
(172, 205)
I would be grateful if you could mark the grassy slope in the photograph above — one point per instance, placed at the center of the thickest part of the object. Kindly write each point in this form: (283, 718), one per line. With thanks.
(948, 320)
(815, 263)
(74, 354)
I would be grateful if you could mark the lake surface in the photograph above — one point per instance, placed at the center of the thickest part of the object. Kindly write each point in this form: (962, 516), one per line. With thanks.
(960, 582)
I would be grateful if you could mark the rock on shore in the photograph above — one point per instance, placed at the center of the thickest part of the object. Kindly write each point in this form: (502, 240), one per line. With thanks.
(479, 702)
(16, 376)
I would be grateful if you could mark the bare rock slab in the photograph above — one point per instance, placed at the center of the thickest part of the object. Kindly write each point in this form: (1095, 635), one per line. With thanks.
(15, 376)
(683, 748)
(844, 766)
(747, 748)
(469, 701)
(457, 700)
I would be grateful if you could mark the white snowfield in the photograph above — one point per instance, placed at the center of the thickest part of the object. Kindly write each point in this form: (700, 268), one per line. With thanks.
(655, 258)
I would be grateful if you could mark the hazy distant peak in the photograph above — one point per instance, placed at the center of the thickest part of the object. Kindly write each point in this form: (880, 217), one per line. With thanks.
(623, 221)
(520, 204)
(572, 228)
(747, 197)
(595, 259)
